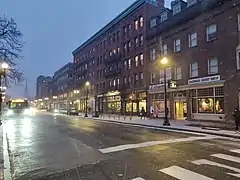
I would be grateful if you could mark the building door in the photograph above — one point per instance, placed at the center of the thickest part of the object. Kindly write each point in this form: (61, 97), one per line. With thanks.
(180, 110)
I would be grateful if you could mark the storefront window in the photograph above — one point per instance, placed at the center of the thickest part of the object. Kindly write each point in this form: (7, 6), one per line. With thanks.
(206, 105)
(129, 106)
(219, 105)
(159, 106)
(142, 104)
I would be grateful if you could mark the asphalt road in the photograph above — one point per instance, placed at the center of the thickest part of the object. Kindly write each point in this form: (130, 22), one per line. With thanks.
(47, 147)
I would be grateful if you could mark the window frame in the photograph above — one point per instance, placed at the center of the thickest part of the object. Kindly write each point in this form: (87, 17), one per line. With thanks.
(191, 40)
(212, 66)
(213, 33)
(193, 70)
(153, 54)
(177, 45)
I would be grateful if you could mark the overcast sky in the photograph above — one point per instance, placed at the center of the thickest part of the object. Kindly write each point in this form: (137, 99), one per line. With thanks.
(52, 29)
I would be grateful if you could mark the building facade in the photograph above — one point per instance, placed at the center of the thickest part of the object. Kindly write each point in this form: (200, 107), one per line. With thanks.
(114, 62)
(43, 87)
(62, 86)
(201, 42)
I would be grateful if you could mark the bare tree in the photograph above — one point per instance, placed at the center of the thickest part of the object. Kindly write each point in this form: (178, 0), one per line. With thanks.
(10, 48)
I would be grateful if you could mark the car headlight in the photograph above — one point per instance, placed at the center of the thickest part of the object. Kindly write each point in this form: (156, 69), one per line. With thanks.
(10, 112)
(56, 111)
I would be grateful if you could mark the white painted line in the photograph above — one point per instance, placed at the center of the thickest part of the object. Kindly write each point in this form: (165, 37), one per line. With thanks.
(227, 157)
(236, 151)
(139, 178)
(183, 174)
(152, 143)
(211, 163)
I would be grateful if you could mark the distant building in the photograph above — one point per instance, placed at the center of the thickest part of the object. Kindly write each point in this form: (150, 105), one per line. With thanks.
(43, 87)
(62, 84)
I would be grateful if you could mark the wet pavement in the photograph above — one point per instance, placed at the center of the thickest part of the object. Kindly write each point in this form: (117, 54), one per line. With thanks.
(44, 146)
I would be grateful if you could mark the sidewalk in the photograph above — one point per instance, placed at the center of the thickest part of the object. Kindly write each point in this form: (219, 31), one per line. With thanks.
(1, 154)
(181, 125)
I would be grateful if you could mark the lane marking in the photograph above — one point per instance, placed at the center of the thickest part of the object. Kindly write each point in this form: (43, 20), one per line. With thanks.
(139, 178)
(211, 163)
(151, 143)
(183, 174)
(236, 151)
(227, 157)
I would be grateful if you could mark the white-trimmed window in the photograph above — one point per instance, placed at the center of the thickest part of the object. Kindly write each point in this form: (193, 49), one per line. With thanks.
(161, 76)
(153, 54)
(141, 21)
(211, 32)
(194, 70)
(141, 76)
(238, 60)
(164, 16)
(164, 50)
(136, 25)
(141, 60)
(153, 78)
(176, 8)
(177, 45)
(129, 63)
(238, 21)
(136, 61)
(213, 66)
(153, 22)
(192, 39)
(178, 73)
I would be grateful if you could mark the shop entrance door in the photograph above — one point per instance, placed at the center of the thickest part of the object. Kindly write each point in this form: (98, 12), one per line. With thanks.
(180, 110)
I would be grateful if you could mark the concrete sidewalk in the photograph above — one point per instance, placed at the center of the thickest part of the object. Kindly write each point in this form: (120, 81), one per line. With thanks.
(1, 154)
(181, 125)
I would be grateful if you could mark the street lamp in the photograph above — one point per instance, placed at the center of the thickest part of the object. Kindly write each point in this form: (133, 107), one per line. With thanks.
(87, 84)
(4, 68)
(164, 62)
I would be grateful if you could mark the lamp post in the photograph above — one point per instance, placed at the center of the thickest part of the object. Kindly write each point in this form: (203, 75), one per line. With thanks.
(87, 84)
(166, 122)
(4, 68)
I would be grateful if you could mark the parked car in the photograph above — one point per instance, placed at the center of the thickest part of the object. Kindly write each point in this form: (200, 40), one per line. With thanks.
(62, 111)
(73, 112)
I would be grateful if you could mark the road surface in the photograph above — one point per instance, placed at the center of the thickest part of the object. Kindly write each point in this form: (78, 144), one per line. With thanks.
(48, 147)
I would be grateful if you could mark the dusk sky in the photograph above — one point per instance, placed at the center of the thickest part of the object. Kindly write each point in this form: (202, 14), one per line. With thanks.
(52, 29)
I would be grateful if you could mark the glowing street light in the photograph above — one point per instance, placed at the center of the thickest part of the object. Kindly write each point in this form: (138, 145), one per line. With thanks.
(164, 61)
(87, 84)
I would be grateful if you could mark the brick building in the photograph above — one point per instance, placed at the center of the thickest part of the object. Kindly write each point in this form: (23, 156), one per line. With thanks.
(201, 42)
(114, 61)
(62, 85)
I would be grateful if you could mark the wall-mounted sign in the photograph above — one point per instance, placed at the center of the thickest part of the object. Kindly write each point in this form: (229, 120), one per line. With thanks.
(204, 80)
(157, 86)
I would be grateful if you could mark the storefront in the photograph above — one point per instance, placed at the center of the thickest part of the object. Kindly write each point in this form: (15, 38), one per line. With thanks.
(135, 102)
(180, 105)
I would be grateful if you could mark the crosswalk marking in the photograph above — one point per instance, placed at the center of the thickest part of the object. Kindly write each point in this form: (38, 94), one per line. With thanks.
(236, 151)
(183, 174)
(152, 143)
(139, 178)
(211, 163)
(227, 157)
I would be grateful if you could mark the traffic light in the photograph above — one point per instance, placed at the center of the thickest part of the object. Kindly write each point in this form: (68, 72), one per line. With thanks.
(172, 84)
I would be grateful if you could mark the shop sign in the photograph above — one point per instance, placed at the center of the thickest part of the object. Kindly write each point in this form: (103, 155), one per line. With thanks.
(204, 80)
(157, 86)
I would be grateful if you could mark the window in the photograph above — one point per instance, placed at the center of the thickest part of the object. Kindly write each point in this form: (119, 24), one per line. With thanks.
(178, 73)
(206, 105)
(118, 49)
(161, 76)
(177, 45)
(114, 82)
(191, 2)
(136, 25)
(194, 70)
(164, 16)
(153, 78)
(213, 66)
(118, 81)
(136, 61)
(211, 32)
(141, 40)
(152, 54)
(141, 59)
(238, 21)
(129, 44)
(192, 39)
(164, 50)
(176, 8)
(136, 78)
(129, 63)
(125, 80)
(153, 22)
(136, 42)
(125, 64)
(125, 47)
(141, 21)
(238, 60)
(114, 51)
(141, 76)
